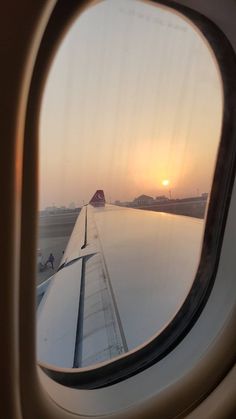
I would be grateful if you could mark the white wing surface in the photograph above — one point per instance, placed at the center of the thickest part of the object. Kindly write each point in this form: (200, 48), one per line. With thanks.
(124, 275)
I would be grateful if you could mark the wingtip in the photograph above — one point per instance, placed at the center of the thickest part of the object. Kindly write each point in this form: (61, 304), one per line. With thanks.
(98, 199)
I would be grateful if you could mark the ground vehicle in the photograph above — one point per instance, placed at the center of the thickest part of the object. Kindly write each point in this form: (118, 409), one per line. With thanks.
(208, 386)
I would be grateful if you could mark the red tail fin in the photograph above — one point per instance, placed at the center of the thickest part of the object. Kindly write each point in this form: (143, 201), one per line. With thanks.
(98, 199)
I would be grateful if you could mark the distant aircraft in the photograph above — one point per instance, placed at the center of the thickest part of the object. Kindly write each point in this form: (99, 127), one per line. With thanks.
(98, 199)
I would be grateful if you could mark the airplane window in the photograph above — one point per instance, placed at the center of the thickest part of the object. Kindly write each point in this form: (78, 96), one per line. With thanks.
(129, 131)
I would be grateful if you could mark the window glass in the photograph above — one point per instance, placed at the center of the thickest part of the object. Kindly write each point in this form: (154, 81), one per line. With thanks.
(129, 130)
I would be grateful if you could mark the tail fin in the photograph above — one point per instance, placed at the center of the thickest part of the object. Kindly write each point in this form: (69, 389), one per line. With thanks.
(98, 199)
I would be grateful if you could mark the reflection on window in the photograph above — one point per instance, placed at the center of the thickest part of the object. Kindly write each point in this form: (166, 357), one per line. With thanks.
(129, 130)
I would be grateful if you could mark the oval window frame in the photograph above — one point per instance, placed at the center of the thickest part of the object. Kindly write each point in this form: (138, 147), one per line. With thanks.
(137, 361)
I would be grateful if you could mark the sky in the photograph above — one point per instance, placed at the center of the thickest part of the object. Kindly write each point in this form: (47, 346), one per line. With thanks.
(133, 97)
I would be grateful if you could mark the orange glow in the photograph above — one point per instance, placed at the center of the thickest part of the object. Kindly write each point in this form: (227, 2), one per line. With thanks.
(108, 122)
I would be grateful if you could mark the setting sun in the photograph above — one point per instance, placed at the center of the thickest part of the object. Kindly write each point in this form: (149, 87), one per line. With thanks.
(165, 182)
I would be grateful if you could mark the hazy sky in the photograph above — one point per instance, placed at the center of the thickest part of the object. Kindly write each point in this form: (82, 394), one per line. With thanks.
(133, 97)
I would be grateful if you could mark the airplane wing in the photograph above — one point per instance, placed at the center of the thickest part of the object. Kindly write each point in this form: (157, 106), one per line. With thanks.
(124, 275)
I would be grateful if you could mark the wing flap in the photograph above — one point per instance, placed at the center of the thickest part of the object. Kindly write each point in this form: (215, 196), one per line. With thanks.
(57, 318)
(102, 339)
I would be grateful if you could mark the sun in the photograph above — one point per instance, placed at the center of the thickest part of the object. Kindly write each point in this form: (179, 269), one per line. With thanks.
(165, 182)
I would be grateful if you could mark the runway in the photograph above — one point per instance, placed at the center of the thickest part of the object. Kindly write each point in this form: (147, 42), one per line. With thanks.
(54, 231)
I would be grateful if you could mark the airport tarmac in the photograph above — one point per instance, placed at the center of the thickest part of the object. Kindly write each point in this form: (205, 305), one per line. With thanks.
(54, 231)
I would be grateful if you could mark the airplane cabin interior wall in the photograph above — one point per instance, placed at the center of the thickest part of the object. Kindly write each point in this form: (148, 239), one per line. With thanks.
(198, 378)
